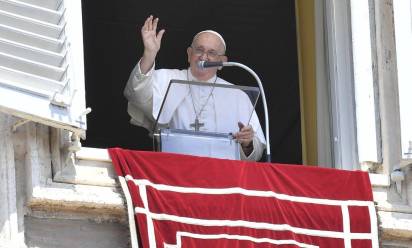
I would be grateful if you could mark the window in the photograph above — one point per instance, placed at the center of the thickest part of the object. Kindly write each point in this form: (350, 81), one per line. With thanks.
(41, 62)
(403, 38)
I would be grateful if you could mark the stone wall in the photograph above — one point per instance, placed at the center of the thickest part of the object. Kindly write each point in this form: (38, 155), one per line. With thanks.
(78, 202)
(39, 210)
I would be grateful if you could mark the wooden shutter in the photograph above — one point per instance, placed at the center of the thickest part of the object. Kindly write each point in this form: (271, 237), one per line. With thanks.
(41, 62)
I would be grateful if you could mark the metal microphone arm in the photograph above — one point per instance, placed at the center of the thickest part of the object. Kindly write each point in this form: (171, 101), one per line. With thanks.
(265, 107)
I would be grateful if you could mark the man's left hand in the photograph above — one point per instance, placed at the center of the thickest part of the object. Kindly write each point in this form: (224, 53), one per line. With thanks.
(245, 137)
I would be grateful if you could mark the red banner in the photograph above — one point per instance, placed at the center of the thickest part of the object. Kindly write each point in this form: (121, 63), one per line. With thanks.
(188, 201)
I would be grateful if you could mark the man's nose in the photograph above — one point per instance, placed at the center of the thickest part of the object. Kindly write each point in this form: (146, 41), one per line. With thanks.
(204, 56)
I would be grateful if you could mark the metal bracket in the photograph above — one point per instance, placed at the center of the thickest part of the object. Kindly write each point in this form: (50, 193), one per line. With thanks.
(85, 112)
(409, 153)
(18, 124)
(407, 159)
(74, 147)
(397, 176)
(62, 100)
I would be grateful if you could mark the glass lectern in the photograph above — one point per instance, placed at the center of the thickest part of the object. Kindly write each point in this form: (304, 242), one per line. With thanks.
(198, 118)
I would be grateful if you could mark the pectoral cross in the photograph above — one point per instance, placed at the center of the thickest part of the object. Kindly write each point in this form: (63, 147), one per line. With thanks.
(197, 124)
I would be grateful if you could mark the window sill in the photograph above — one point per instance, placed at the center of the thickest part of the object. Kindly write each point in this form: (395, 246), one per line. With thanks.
(78, 201)
(92, 166)
(85, 189)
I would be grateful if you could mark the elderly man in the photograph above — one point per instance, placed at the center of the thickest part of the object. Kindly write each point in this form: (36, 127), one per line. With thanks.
(147, 87)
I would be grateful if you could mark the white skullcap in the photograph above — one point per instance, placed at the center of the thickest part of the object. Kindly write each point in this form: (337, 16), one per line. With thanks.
(211, 32)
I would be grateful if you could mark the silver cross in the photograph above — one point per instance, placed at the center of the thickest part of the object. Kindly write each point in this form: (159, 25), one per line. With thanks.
(197, 124)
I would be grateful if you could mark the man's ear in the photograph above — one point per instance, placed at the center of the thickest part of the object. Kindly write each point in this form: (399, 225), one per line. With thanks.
(222, 59)
(189, 53)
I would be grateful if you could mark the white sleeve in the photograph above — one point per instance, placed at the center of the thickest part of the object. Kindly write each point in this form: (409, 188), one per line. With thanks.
(257, 152)
(139, 89)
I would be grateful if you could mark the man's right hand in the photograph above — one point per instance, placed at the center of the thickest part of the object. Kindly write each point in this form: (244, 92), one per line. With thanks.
(151, 41)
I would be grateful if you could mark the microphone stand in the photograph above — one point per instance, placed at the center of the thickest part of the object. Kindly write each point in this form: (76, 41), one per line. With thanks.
(265, 107)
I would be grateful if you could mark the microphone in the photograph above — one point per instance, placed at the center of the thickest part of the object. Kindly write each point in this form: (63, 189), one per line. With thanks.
(208, 64)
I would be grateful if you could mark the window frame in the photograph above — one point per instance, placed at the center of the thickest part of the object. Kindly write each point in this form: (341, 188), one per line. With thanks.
(402, 11)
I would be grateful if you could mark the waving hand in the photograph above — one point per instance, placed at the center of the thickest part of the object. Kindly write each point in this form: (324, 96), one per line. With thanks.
(152, 41)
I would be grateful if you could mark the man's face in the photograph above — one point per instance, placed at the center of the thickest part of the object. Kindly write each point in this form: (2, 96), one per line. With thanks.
(206, 47)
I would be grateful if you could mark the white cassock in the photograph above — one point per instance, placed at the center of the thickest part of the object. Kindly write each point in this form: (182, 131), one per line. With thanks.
(217, 110)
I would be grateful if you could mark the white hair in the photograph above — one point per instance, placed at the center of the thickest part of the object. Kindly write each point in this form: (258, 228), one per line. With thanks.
(211, 32)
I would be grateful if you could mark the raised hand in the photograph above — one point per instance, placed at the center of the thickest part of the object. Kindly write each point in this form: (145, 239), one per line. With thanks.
(152, 41)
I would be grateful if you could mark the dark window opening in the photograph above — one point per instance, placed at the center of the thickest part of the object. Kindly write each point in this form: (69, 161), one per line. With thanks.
(260, 34)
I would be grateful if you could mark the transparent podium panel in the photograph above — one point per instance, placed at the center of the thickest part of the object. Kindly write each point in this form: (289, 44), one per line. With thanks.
(199, 144)
(186, 104)
(199, 118)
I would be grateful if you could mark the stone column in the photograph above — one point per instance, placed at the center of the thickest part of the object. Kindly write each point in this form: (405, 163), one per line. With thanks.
(388, 86)
(9, 233)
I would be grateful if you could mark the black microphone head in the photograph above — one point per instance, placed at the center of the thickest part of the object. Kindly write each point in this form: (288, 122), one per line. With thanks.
(208, 64)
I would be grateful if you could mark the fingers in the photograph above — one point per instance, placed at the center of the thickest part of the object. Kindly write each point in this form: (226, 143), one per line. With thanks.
(154, 24)
(146, 23)
(246, 130)
(150, 24)
(150, 27)
(246, 141)
(240, 125)
(160, 35)
(245, 134)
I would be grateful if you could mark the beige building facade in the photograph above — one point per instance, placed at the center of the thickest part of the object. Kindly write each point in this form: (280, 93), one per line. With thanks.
(355, 75)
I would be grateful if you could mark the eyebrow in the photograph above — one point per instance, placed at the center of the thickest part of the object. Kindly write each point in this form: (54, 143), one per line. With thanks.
(202, 47)
(214, 50)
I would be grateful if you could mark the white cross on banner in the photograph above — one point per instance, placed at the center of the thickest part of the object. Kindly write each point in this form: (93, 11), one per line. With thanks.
(188, 201)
